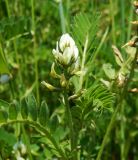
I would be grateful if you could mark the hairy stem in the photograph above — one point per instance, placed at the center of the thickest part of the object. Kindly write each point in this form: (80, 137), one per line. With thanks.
(70, 123)
(83, 61)
(122, 130)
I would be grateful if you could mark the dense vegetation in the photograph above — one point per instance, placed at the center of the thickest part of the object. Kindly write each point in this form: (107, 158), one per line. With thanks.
(68, 80)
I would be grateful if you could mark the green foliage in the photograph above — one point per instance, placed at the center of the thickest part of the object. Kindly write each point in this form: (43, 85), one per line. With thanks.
(3, 66)
(53, 123)
(85, 28)
(13, 111)
(77, 118)
(43, 113)
(14, 26)
(94, 101)
(98, 97)
(4, 104)
(24, 109)
(109, 71)
(4, 71)
(8, 138)
(3, 116)
(32, 106)
(26, 58)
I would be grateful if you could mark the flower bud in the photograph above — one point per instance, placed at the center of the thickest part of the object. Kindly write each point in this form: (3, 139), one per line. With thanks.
(49, 86)
(77, 95)
(134, 90)
(63, 81)
(53, 72)
(135, 3)
(75, 68)
(121, 79)
(132, 43)
(134, 22)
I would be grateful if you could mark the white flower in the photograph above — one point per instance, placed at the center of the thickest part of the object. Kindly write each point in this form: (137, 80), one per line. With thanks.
(66, 41)
(66, 52)
(67, 55)
(76, 53)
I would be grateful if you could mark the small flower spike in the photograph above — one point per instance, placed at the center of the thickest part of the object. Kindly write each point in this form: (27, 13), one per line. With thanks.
(66, 52)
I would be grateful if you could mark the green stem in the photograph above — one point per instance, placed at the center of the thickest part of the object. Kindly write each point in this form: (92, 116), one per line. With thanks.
(130, 17)
(68, 15)
(112, 21)
(34, 51)
(127, 146)
(83, 61)
(119, 103)
(106, 136)
(122, 20)
(15, 46)
(62, 18)
(70, 123)
(42, 131)
(122, 130)
(7, 7)
(100, 45)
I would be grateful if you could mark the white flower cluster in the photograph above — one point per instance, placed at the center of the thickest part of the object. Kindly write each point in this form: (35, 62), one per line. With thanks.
(67, 55)
(66, 51)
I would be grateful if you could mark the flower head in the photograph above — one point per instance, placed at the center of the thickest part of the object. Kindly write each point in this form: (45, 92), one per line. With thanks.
(66, 41)
(66, 51)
